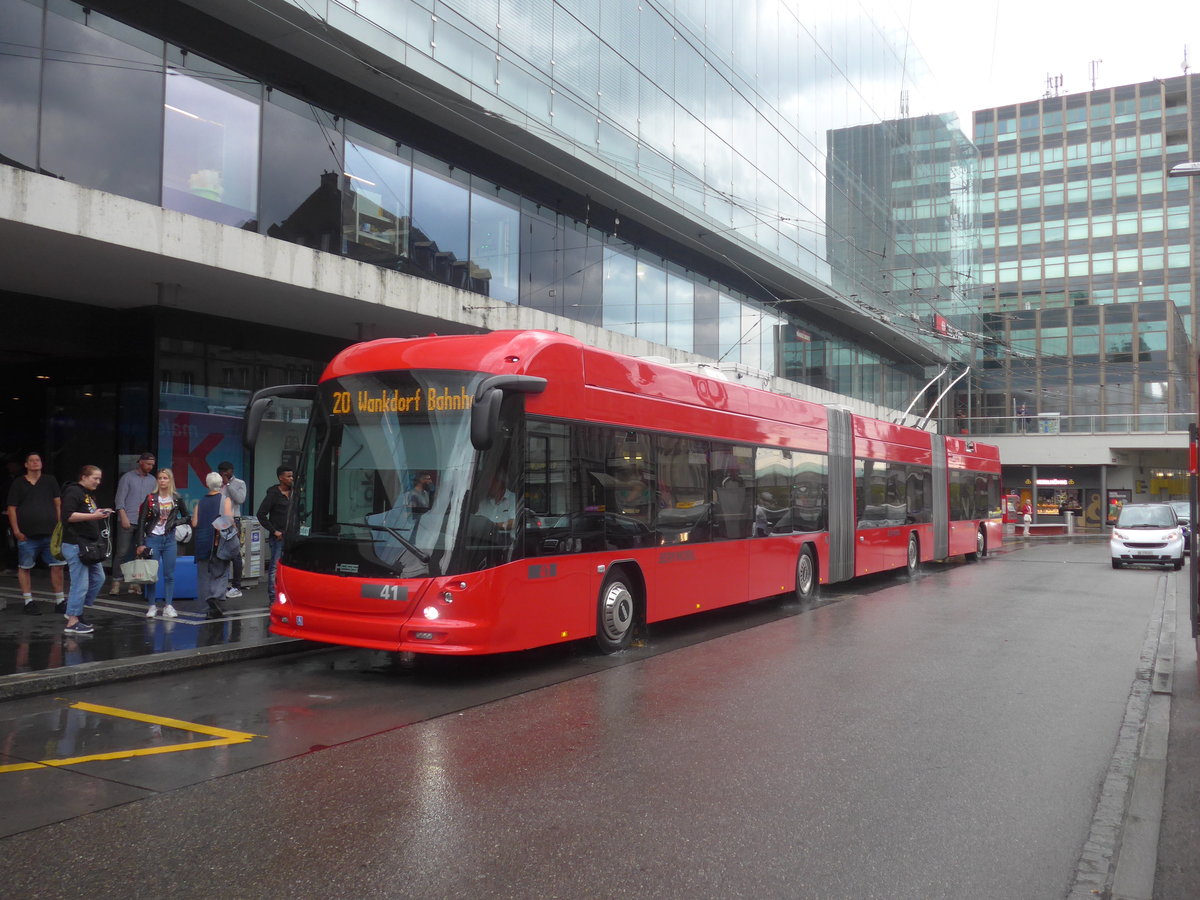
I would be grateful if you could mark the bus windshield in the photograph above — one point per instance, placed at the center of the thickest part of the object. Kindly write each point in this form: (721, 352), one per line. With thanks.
(386, 468)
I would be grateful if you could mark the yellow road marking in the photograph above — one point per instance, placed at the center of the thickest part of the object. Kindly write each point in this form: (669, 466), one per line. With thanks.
(224, 737)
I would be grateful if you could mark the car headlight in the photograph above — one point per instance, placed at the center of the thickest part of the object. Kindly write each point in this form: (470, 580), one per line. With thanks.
(1120, 535)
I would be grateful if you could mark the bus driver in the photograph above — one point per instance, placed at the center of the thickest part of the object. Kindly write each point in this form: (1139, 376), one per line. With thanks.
(500, 505)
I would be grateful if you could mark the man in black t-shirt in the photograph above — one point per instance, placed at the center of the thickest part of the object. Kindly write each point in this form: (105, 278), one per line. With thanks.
(33, 511)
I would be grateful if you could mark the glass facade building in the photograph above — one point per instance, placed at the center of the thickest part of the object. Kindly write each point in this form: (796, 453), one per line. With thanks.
(741, 184)
(1091, 250)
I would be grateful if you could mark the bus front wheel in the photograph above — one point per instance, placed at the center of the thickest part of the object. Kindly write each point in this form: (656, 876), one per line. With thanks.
(615, 614)
(806, 575)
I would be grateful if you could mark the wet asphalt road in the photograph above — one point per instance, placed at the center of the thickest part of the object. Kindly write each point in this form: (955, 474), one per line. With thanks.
(941, 737)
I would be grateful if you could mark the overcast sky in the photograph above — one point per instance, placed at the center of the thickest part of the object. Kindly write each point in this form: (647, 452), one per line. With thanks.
(988, 53)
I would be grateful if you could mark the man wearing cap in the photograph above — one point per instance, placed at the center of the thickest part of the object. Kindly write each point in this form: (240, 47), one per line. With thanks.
(235, 489)
(134, 486)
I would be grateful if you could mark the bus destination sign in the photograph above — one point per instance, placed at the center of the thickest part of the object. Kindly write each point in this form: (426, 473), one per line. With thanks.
(421, 400)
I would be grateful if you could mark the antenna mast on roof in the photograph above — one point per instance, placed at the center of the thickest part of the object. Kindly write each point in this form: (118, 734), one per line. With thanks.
(1053, 85)
(1094, 68)
(1185, 60)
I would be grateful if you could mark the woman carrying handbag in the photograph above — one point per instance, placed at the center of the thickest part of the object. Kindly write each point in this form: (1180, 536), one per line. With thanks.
(212, 572)
(84, 547)
(158, 516)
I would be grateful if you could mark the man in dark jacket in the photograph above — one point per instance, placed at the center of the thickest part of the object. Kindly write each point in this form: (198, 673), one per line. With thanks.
(272, 515)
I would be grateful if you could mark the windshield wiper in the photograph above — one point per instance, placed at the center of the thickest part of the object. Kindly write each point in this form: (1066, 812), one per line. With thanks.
(408, 545)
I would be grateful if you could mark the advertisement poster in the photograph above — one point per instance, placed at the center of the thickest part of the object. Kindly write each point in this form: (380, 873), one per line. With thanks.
(192, 444)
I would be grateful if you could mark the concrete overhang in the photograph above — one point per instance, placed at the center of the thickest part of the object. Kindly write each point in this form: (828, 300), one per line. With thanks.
(65, 242)
(1080, 449)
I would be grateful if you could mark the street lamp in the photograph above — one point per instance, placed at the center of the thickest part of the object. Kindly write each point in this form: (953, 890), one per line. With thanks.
(1191, 170)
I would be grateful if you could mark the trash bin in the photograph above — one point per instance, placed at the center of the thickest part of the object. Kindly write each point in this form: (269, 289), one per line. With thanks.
(1070, 517)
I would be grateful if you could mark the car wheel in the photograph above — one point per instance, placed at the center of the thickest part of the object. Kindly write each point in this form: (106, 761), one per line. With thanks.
(806, 575)
(913, 564)
(1116, 563)
(615, 614)
(1177, 565)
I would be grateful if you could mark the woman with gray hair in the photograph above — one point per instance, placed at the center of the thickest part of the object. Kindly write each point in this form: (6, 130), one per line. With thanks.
(212, 573)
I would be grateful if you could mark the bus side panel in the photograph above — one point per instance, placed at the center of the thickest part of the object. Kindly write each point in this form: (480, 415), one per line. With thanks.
(542, 601)
(683, 579)
(772, 566)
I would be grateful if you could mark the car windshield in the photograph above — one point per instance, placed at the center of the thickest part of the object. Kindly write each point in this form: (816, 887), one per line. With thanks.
(1156, 516)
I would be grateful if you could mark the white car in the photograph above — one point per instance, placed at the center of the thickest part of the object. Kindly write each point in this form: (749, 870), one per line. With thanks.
(1147, 533)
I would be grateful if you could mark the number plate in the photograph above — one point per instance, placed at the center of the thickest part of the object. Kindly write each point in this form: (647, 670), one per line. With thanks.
(384, 592)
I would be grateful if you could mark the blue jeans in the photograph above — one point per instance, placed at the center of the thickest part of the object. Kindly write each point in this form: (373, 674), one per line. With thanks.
(86, 580)
(162, 547)
(275, 545)
(30, 549)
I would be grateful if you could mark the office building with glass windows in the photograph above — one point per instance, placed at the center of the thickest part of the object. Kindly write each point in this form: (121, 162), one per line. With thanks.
(200, 197)
(1088, 320)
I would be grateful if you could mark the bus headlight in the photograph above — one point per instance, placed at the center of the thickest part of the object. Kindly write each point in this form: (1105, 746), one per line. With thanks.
(282, 598)
(431, 612)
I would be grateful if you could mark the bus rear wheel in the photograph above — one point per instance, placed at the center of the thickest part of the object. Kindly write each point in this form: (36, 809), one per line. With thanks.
(913, 560)
(615, 614)
(806, 575)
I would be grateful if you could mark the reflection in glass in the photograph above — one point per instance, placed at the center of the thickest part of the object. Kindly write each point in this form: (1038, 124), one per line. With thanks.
(620, 292)
(20, 69)
(439, 227)
(651, 303)
(210, 151)
(375, 218)
(301, 198)
(102, 98)
(493, 266)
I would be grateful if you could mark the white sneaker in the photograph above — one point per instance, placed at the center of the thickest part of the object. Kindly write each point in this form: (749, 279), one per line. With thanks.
(169, 611)
(232, 593)
(150, 612)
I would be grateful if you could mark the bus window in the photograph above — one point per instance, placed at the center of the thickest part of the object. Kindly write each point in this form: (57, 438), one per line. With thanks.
(772, 487)
(810, 492)
(683, 495)
(732, 480)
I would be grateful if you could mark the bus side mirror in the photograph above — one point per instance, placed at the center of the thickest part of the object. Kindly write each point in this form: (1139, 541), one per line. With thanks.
(260, 402)
(485, 419)
(485, 411)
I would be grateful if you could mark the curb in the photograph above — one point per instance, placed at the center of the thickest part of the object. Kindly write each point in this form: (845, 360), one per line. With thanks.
(28, 684)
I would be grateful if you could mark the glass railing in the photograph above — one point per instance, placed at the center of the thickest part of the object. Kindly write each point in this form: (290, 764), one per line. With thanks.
(1053, 423)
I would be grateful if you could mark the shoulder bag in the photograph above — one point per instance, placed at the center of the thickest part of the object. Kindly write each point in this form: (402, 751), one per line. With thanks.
(225, 536)
(92, 552)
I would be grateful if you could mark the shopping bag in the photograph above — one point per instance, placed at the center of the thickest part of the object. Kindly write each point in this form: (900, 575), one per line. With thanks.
(140, 571)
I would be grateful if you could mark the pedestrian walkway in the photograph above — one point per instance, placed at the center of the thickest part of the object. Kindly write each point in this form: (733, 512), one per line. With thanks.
(36, 656)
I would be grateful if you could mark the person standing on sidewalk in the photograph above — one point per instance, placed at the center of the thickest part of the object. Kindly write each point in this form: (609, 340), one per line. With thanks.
(235, 489)
(134, 486)
(33, 511)
(273, 513)
(160, 512)
(212, 573)
(82, 524)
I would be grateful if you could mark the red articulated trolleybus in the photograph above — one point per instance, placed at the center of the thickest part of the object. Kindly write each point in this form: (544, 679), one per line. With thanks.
(495, 492)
